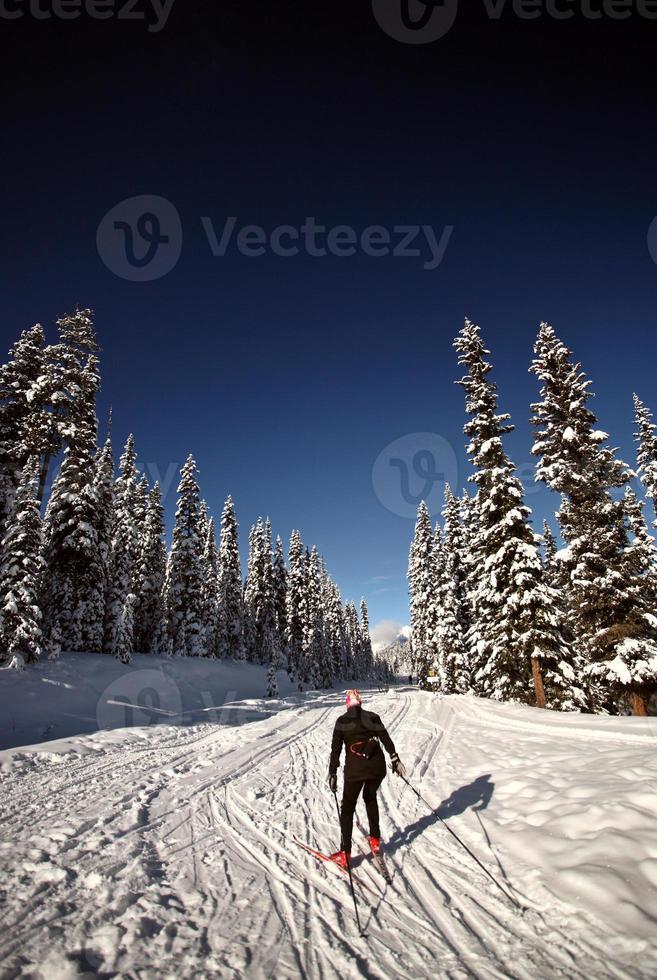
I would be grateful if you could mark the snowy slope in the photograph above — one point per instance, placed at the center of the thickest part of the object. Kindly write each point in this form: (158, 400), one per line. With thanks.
(162, 852)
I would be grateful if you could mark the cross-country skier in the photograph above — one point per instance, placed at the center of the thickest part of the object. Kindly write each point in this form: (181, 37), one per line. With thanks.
(360, 732)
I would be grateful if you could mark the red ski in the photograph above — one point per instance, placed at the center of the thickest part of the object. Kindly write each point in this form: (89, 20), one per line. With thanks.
(327, 859)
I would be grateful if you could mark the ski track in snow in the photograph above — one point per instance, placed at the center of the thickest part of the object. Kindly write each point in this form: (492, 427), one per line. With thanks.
(169, 854)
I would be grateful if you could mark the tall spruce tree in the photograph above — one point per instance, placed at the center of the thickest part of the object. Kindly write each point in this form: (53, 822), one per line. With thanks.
(150, 624)
(422, 589)
(21, 567)
(367, 656)
(280, 599)
(453, 618)
(295, 601)
(646, 437)
(19, 412)
(519, 628)
(210, 564)
(230, 602)
(184, 586)
(606, 610)
(71, 548)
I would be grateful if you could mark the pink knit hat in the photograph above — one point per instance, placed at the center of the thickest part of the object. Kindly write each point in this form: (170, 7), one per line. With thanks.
(353, 698)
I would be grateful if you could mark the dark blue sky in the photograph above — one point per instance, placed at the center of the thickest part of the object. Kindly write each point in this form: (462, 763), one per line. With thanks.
(286, 377)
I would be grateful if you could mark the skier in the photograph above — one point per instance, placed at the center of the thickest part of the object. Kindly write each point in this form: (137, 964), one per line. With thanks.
(360, 732)
(410, 679)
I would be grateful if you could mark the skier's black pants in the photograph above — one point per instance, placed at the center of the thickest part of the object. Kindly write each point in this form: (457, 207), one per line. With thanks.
(350, 795)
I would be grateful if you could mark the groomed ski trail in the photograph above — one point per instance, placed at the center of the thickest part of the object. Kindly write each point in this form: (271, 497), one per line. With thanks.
(167, 852)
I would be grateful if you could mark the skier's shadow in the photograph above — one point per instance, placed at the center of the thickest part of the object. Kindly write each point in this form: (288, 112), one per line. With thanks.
(474, 796)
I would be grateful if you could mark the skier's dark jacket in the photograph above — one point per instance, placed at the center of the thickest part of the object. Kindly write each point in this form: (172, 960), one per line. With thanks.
(360, 732)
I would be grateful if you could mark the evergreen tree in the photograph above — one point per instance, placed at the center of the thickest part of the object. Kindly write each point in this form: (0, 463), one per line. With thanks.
(633, 671)
(519, 626)
(210, 564)
(646, 437)
(184, 587)
(605, 607)
(21, 566)
(270, 648)
(367, 656)
(280, 600)
(422, 589)
(295, 600)
(150, 624)
(120, 640)
(453, 619)
(231, 609)
(253, 591)
(72, 552)
(19, 411)
(67, 395)
(549, 545)
(314, 668)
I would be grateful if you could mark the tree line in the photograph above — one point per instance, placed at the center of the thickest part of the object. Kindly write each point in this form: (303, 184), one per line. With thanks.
(503, 612)
(94, 573)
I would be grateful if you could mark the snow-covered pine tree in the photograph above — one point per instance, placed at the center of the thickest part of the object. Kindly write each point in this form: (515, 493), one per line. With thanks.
(210, 566)
(280, 600)
(78, 380)
(634, 668)
(123, 645)
(367, 656)
(130, 503)
(471, 571)
(150, 622)
(354, 640)
(124, 555)
(71, 549)
(253, 591)
(646, 437)
(335, 629)
(295, 594)
(119, 638)
(549, 545)
(184, 587)
(21, 567)
(103, 492)
(313, 663)
(270, 648)
(19, 380)
(230, 604)
(422, 590)
(453, 612)
(606, 611)
(518, 622)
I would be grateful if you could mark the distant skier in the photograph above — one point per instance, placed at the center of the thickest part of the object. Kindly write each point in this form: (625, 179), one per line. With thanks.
(360, 732)
(410, 679)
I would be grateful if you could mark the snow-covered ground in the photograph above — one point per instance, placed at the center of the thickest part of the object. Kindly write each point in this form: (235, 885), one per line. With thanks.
(165, 850)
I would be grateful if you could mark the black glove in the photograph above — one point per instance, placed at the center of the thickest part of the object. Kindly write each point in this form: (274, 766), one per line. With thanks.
(398, 766)
(333, 782)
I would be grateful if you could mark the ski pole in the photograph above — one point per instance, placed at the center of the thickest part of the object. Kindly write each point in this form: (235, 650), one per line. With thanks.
(351, 880)
(466, 848)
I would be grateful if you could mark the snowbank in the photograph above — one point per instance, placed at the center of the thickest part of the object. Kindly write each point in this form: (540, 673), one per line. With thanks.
(83, 693)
